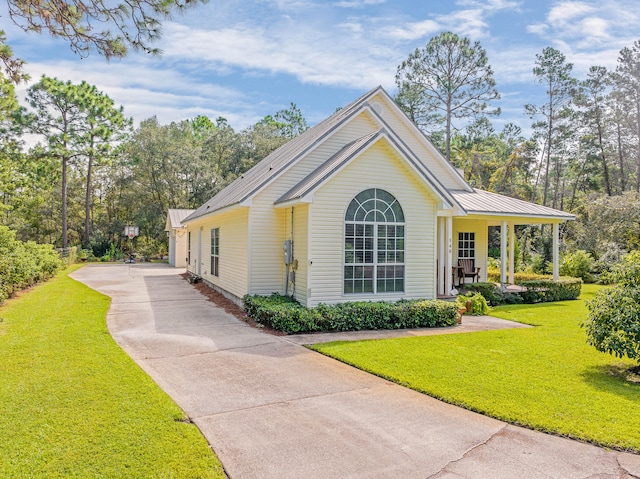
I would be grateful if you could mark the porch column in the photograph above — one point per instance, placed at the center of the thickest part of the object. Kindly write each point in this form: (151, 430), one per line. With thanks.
(441, 258)
(503, 252)
(512, 250)
(449, 262)
(556, 252)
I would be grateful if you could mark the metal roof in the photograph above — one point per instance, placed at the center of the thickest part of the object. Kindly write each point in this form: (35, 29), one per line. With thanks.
(329, 167)
(480, 202)
(175, 217)
(325, 171)
(274, 164)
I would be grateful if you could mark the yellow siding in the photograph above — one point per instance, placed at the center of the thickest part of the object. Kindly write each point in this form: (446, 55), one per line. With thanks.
(269, 228)
(481, 230)
(416, 143)
(233, 248)
(300, 250)
(378, 167)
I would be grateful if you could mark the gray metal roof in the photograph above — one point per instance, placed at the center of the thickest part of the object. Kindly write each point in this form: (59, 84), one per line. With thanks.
(175, 217)
(274, 164)
(482, 202)
(329, 167)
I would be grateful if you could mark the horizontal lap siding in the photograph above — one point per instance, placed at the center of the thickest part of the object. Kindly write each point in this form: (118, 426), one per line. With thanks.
(481, 230)
(377, 168)
(233, 250)
(269, 229)
(300, 249)
(271, 226)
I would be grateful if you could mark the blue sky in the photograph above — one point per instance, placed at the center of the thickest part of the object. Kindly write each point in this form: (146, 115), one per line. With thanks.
(244, 59)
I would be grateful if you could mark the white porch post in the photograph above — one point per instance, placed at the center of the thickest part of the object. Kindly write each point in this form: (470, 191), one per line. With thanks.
(556, 251)
(449, 262)
(512, 250)
(503, 252)
(441, 258)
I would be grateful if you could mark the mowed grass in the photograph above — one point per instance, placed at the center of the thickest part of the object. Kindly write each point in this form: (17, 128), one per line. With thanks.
(74, 405)
(545, 378)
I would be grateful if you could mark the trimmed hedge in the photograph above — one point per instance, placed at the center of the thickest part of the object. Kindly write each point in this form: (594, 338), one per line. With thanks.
(519, 277)
(545, 290)
(285, 314)
(24, 264)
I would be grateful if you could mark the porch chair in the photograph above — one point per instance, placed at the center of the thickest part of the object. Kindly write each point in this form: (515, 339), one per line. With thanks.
(468, 270)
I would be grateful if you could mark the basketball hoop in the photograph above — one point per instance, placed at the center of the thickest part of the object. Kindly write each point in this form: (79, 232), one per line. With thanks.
(131, 231)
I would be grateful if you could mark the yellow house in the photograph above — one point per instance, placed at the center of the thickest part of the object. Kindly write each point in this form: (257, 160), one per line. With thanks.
(360, 207)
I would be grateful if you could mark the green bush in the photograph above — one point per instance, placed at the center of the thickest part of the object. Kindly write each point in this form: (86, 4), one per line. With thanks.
(478, 303)
(493, 275)
(489, 291)
(578, 264)
(285, 314)
(547, 290)
(613, 325)
(24, 264)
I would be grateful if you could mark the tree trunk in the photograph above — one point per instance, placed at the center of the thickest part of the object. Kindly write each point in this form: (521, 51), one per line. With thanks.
(605, 168)
(623, 185)
(87, 205)
(65, 242)
(638, 149)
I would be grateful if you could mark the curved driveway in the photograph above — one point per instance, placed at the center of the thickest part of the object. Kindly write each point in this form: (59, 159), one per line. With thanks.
(271, 408)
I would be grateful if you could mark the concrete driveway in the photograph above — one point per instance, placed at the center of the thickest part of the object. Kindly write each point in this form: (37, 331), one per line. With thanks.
(271, 408)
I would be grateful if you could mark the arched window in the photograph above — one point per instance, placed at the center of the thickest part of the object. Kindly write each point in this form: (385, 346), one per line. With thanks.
(374, 244)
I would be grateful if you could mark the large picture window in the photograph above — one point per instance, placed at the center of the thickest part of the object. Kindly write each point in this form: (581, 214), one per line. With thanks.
(374, 252)
(215, 250)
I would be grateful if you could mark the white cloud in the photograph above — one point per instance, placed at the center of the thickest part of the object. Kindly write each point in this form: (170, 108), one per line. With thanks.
(312, 56)
(589, 26)
(357, 3)
(413, 30)
(145, 90)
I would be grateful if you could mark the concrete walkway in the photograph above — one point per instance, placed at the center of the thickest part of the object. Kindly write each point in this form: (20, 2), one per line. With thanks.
(271, 408)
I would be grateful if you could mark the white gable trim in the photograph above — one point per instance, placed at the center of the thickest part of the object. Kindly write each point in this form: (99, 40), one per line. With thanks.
(445, 200)
(420, 135)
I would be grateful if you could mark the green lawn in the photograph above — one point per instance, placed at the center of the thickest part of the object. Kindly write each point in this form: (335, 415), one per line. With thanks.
(74, 405)
(545, 378)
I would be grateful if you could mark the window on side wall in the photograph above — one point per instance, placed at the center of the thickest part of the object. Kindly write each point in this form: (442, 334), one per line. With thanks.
(215, 251)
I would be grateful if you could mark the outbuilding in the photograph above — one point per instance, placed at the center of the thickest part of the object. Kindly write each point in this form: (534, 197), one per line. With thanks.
(177, 234)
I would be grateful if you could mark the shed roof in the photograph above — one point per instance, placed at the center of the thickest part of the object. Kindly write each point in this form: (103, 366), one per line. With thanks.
(480, 202)
(175, 217)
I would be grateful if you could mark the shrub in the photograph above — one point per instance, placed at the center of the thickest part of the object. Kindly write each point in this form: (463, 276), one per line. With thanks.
(24, 264)
(613, 324)
(577, 265)
(478, 303)
(546, 290)
(285, 314)
(489, 291)
(494, 276)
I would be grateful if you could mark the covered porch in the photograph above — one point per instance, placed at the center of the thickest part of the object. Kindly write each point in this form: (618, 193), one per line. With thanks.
(462, 241)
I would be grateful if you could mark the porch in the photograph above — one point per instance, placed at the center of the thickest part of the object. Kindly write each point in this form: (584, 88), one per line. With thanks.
(464, 240)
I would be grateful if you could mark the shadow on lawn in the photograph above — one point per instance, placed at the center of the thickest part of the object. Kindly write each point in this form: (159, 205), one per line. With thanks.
(621, 379)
